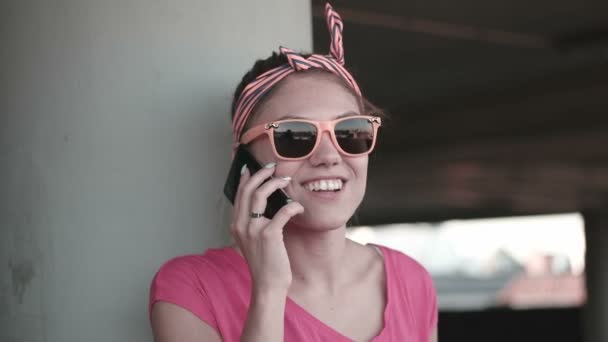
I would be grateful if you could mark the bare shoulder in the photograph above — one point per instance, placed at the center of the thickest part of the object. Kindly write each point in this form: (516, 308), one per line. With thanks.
(368, 261)
(171, 323)
(407, 264)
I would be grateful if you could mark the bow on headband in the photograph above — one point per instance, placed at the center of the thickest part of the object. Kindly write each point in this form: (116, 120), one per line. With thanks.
(334, 62)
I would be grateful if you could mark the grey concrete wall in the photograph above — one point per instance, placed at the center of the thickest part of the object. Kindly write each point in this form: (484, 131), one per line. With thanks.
(114, 143)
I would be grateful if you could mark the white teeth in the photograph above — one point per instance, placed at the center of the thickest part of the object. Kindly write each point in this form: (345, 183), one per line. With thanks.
(332, 184)
(324, 185)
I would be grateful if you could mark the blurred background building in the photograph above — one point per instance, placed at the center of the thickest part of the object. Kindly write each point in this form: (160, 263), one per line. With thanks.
(514, 262)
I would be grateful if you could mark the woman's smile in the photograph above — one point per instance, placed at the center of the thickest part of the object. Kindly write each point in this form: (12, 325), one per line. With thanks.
(325, 190)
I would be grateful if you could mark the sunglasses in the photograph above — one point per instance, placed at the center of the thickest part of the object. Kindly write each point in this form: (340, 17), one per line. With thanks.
(296, 139)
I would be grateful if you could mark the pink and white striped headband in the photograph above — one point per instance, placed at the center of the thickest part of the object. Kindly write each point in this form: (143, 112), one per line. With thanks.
(334, 62)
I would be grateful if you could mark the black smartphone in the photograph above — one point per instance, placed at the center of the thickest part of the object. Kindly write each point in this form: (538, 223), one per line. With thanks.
(275, 201)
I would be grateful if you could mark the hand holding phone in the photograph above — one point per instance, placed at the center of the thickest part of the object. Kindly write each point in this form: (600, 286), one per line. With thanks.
(242, 157)
(260, 239)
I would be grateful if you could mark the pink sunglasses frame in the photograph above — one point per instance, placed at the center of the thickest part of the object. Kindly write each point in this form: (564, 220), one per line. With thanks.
(322, 126)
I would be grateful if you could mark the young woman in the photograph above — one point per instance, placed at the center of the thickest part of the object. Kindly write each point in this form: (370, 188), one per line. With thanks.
(296, 277)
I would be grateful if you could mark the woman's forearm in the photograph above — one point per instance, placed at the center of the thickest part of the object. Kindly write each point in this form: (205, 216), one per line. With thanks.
(266, 317)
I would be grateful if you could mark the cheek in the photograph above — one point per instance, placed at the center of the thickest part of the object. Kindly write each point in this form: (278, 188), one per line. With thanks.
(262, 151)
(359, 167)
(287, 168)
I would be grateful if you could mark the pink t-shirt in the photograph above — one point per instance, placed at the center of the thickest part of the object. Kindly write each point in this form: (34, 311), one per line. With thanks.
(215, 286)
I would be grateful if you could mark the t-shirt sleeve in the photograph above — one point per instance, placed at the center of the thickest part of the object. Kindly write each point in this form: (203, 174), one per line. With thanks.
(179, 281)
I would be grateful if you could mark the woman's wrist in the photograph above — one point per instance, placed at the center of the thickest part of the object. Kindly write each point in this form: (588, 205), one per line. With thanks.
(267, 294)
(265, 317)
(270, 288)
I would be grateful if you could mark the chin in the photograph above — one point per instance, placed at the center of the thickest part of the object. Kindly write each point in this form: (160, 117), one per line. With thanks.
(320, 221)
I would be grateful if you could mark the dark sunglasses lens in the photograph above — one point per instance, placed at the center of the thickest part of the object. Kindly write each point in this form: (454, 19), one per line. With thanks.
(355, 135)
(295, 139)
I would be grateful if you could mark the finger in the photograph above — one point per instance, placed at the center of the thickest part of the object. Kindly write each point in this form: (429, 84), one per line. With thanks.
(259, 199)
(236, 225)
(257, 203)
(244, 177)
(257, 178)
(252, 182)
(283, 216)
(246, 189)
(239, 224)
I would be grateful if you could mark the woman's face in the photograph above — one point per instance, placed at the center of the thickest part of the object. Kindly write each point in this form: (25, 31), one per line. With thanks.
(322, 98)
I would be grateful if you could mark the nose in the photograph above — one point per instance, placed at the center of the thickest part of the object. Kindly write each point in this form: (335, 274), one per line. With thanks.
(326, 153)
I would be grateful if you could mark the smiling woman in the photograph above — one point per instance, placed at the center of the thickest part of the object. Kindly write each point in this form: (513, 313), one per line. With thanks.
(296, 276)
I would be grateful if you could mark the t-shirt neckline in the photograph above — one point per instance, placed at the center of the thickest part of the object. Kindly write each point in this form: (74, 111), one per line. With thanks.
(291, 304)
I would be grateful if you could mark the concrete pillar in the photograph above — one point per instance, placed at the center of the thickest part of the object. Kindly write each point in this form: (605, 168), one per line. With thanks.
(114, 144)
(595, 312)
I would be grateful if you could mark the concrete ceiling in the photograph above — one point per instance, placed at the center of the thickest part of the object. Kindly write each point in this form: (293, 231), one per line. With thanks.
(497, 108)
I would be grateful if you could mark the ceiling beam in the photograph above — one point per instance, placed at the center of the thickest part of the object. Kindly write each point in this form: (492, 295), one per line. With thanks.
(438, 28)
(437, 190)
(569, 81)
(584, 146)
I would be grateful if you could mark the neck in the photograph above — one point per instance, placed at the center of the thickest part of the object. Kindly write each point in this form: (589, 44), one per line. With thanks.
(317, 258)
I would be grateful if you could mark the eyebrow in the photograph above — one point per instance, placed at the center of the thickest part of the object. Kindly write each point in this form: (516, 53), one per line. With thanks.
(349, 113)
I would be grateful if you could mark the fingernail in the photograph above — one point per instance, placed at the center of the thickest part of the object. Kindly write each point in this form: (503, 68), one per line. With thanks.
(287, 178)
(289, 200)
(243, 169)
(270, 165)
